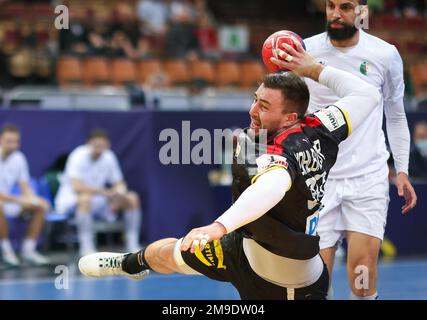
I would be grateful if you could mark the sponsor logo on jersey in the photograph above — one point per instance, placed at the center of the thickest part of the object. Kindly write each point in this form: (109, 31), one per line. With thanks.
(267, 161)
(212, 255)
(331, 117)
(364, 68)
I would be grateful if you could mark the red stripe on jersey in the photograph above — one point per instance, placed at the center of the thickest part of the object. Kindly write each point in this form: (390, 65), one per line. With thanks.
(276, 149)
(281, 137)
(311, 121)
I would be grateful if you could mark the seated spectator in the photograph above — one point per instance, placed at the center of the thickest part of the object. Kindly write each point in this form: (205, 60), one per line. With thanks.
(207, 37)
(143, 49)
(121, 46)
(74, 40)
(418, 155)
(154, 16)
(411, 8)
(89, 170)
(99, 34)
(14, 170)
(181, 39)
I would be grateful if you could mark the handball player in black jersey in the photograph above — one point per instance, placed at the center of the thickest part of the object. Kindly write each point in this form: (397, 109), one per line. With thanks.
(266, 243)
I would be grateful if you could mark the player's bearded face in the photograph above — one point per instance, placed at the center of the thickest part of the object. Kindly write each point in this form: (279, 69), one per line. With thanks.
(341, 17)
(338, 30)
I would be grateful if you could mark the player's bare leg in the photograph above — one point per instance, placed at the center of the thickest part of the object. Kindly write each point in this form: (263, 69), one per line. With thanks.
(8, 254)
(328, 256)
(37, 220)
(362, 262)
(130, 204)
(84, 203)
(159, 256)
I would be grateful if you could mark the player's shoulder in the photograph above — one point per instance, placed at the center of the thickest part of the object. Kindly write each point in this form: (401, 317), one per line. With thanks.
(18, 155)
(379, 46)
(316, 42)
(109, 155)
(80, 152)
(290, 140)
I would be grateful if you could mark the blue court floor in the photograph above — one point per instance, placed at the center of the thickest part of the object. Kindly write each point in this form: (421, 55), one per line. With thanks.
(400, 279)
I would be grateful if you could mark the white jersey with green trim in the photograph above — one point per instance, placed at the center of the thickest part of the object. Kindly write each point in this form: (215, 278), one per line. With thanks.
(378, 63)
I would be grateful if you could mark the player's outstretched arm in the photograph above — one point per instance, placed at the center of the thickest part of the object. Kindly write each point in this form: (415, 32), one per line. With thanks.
(253, 203)
(358, 98)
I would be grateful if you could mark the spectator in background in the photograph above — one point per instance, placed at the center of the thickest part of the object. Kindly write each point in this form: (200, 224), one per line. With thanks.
(126, 21)
(99, 33)
(154, 15)
(121, 46)
(418, 155)
(13, 171)
(181, 39)
(411, 8)
(89, 170)
(207, 35)
(74, 40)
(143, 49)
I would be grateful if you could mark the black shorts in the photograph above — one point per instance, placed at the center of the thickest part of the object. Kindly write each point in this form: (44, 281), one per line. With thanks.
(225, 260)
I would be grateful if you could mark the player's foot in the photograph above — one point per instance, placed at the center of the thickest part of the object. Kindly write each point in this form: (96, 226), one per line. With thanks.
(35, 258)
(104, 264)
(10, 258)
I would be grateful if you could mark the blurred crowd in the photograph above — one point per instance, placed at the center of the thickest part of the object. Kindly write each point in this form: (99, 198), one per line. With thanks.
(167, 28)
(178, 29)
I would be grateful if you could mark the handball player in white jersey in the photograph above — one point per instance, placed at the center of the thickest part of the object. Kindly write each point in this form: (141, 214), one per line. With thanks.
(357, 190)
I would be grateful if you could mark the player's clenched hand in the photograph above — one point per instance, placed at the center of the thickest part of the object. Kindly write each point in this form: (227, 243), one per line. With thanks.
(199, 237)
(298, 61)
(405, 189)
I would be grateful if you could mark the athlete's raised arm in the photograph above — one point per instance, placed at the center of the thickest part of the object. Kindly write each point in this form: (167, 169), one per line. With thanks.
(358, 98)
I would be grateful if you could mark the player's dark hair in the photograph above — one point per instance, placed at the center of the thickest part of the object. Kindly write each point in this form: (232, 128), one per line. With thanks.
(293, 88)
(8, 127)
(98, 133)
(363, 2)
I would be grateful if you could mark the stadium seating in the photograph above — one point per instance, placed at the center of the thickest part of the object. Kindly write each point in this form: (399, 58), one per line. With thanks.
(228, 74)
(69, 71)
(96, 71)
(123, 72)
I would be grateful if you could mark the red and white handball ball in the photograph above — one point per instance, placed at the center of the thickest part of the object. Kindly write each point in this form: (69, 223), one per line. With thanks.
(275, 41)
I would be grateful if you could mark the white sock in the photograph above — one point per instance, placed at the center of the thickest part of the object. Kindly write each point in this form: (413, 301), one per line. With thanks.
(133, 226)
(6, 246)
(29, 246)
(85, 231)
(372, 297)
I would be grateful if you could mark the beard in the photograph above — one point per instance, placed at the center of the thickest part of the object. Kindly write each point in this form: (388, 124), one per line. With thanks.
(344, 33)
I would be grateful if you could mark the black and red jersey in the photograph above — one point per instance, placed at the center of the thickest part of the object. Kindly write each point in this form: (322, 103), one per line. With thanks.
(307, 152)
